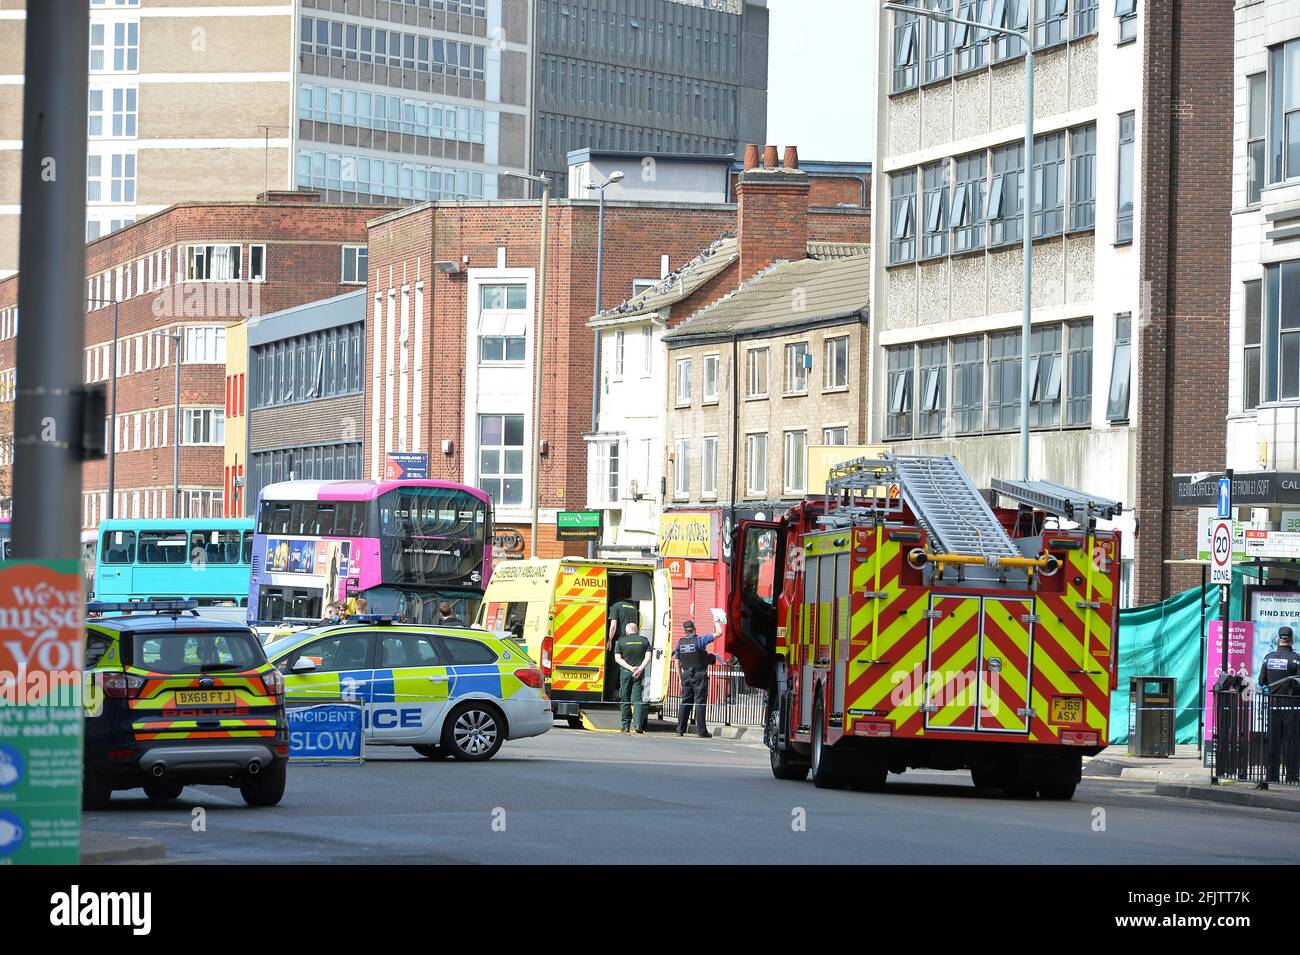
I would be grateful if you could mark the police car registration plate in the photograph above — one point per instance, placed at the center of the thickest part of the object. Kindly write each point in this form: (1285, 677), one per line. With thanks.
(205, 697)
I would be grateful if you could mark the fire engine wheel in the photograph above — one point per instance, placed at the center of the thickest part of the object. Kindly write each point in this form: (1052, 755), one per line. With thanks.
(1060, 791)
(785, 765)
(825, 774)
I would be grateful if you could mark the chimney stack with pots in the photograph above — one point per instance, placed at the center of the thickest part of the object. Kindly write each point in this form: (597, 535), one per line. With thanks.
(772, 218)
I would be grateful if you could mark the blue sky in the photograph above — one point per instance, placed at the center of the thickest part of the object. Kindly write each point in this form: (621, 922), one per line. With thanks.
(823, 45)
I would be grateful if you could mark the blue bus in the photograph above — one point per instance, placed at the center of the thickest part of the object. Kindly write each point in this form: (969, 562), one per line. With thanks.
(191, 558)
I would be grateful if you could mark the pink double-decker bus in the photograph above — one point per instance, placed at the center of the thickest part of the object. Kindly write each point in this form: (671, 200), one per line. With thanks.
(405, 546)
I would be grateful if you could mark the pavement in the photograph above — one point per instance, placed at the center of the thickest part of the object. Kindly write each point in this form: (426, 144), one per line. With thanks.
(113, 848)
(573, 796)
(1183, 776)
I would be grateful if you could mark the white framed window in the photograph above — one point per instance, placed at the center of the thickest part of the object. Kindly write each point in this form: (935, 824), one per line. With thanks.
(796, 481)
(355, 258)
(204, 426)
(620, 353)
(709, 466)
(124, 112)
(126, 47)
(137, 429)
(205, 345)
(94, 189)
(796, 368)
(257, 263)
(756, 360)
(683, 381)
(835, 436)
(501, 458)
(712, 363)
(682, 468)
(217, 263)
(502, 324)
(98, 44)
(95, 113)
(835, 373)
(756, 465)
(608, 473)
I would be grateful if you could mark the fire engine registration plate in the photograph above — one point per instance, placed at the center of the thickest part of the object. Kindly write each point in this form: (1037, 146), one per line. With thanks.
(205, 697)
(576, 675)
(1067, 709)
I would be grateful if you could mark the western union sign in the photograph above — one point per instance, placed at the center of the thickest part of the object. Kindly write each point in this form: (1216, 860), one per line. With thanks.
(693, 535)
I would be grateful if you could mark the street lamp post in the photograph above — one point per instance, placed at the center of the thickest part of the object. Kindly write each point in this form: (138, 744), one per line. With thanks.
(616, 176)
(112, 407)
(537, 353)
(1028, 223)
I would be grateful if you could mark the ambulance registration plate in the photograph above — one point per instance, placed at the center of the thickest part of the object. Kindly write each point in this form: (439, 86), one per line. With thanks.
(205, 697)
(575, 675)
(1066, 709)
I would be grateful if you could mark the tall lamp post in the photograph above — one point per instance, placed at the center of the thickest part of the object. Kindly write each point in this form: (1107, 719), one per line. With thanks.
(112, 407)
(615, 176)
(537, 352)
(176, 339)
(1028, 226)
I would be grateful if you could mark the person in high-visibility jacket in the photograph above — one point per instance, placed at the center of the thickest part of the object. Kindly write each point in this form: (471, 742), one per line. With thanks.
(693, 659)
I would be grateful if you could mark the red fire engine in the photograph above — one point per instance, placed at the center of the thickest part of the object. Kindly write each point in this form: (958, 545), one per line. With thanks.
(914, 625)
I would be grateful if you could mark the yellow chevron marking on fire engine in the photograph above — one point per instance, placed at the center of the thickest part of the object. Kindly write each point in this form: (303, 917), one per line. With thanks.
(962, 661)
(1058, 629)
(1003, 616)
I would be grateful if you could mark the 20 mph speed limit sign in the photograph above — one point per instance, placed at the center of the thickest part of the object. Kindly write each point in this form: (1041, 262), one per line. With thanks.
(1221, 553)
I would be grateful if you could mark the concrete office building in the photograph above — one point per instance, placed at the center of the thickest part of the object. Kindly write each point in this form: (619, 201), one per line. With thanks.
(648, 76)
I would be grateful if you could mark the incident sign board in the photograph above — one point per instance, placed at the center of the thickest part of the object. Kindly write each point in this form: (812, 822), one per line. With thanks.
(326, 733)
(42, 639)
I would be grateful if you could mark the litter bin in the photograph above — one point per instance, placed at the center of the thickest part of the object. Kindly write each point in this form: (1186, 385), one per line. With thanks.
(1151, 716)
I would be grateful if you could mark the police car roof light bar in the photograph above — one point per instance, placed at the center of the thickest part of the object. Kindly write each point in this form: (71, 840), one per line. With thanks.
(142, 606)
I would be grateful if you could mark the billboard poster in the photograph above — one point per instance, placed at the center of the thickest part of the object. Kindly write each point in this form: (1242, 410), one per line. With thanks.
(1271, 610)
(42, 639)
(406, 466)
(1241, 638)
(328, 560)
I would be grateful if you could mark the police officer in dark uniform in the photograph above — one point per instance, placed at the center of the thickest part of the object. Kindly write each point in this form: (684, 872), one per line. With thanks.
(1279, 676)
(693, 659)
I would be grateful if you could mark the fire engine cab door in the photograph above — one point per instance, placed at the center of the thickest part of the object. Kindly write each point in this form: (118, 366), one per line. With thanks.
(952, 664)
(1006, 651)
(751, 603)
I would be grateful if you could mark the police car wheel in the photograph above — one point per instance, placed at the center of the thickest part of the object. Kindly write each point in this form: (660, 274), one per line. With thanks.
(162, 789)
(96, 790)
(431, 752)
(264, 789)
(473, 731)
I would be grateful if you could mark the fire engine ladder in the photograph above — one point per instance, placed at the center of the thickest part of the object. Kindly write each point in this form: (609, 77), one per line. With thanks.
(949, 506)
(1060, 501)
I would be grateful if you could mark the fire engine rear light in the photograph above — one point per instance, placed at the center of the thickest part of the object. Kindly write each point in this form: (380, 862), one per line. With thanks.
(530, 676)
(1079, 737)
(868, 728)
(121, 686)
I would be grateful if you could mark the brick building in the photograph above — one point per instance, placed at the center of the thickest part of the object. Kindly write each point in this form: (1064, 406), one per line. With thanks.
(189, 271)
(451, 327)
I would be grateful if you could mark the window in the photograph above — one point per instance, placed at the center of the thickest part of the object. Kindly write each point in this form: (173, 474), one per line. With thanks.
(122, 177)
(1085, 18)
(213, 262)
(1078, 406)
(204, 426)
(1049, 185)
(1014, 15)
(257, 263)
(756, 373)
(906, 49)
(756, 465)
(797, 362)
(1126, 10)
(501, 458)
(709, 467)
(682, 468)
(968, 204)
(94, 186)
(503, 322)
(933, 395)
(95, 113)
(683, 381)
(795, 467)
(1006, 194)
(1045, 377)
(968, 385)
(620, 352)
(354, 265)
(1284, 112)
(902, 217)
(126, 47)
(1251, 352)
(205, 345)
(164, 547)
(1124, 186)
(124, 112)
(97, 47)
(1049, 23)
(835, 373)
(1117, 404)
(934, 239)
(607, 472)
(1255, 146)
(1004, 381)
(118, 547)
(1083, 177)
(898, 416)
(938, 54)
(711, 365)
(968, 42)
(835, 436)
(1281, 332)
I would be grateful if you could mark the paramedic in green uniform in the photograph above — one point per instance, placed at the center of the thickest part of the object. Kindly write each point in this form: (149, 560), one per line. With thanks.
(632, 654)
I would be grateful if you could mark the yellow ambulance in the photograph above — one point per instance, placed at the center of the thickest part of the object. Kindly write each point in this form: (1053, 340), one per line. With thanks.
(563, 608)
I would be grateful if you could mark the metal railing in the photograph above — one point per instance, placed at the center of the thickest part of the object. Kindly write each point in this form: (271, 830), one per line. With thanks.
(1256, 738)
(732, 702)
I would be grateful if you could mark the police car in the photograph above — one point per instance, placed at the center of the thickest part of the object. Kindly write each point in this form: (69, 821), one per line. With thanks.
(445, 691)
(175, 699)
